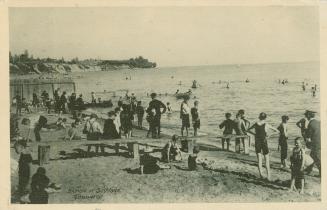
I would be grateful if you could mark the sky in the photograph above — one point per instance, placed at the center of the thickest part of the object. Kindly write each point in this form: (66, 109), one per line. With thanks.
(170, 36)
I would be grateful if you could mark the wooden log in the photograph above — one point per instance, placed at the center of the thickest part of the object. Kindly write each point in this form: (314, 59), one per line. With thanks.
(43, 154)
(188, 145)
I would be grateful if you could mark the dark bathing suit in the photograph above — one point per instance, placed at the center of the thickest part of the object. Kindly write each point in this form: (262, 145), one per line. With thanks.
(261, 144)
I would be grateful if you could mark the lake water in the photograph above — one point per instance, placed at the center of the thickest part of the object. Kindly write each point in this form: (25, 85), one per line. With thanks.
(262, 94)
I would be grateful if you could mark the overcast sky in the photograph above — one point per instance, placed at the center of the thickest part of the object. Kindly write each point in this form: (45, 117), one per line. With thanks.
(170, 36)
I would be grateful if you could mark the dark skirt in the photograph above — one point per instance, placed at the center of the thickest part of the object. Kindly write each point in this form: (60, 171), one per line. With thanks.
(186, 120)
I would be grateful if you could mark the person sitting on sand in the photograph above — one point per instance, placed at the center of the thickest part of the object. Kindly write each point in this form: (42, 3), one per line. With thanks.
(228, 124)
(24, 167)
(297, 165)
(191, 162)
(73, 133)
(109, 129)
(261, 145)
(35, 123)
(282, 141)
(150, 164)
(171, 150)
(25, 105)
(40, 182)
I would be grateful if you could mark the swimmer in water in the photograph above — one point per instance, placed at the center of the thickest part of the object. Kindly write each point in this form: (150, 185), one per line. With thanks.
(247, 80)
(177, 91)
(303, 86)
(227, 85)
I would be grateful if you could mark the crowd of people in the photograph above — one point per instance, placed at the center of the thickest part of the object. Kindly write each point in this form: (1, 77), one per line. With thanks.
(120, 123)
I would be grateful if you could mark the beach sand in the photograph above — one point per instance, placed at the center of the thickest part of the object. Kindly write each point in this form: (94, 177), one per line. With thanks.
(222, 176)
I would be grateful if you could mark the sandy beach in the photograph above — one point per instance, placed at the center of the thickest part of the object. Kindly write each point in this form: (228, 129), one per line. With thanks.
(110, 178)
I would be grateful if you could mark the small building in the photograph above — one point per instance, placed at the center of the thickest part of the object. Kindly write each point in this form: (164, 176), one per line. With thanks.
(26, 87)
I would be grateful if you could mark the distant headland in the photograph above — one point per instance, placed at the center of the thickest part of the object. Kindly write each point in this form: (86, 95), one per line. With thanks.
(26, 64)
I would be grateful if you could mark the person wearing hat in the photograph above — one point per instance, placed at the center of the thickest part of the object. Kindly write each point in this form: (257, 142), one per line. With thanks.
(92, 128)
(109, 129)
(313, 136)
(282, 141)
(261, 145)
(157, 106)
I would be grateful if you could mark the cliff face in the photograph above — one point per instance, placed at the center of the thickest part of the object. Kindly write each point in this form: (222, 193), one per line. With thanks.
(40, 68)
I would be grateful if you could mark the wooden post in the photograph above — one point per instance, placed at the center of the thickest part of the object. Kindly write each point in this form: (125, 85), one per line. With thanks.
(117, 145)
(136, 151)
(43, 154)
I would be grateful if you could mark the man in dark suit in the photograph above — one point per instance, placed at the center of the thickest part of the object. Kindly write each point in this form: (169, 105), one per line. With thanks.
(313, 136)
(157, 106)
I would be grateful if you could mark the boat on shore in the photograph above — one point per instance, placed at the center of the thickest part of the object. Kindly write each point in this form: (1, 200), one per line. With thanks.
(183, 95)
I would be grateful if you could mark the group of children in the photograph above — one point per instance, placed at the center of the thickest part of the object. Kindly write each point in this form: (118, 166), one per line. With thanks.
(261, 128)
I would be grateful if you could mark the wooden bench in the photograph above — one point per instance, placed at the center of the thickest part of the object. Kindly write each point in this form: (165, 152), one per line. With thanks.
(132, 146)
(237, 139)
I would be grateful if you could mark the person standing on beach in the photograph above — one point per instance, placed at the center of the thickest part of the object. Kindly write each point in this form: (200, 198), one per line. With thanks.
(261, 144)
(228, 124)
(63, 103)
(157, 105)
(18, 99)
(185, 115)
(140, 114)
(282, 141)
(297, 165)
(195, 117)
(35, 123)
(57, 100)
(24, 167)
(303, 124)
(313, 136)
(93, 98)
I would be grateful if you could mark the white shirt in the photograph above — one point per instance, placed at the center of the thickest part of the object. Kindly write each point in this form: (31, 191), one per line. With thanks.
(34, 120)
(185, 108)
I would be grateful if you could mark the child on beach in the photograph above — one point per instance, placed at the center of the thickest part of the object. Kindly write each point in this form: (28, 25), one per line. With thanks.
(73, 132)
(40, 182)
(297, 165)
(24, 167)
(109, 129)
(117, 120)
(126, 119)
(195, 117)
(171, 150)
(261, 144)
(191, 162)
(228, 124)
(185, 115)
(169, 109)
(35, 123)
(150, 119)
(283, 136)
(140, 114)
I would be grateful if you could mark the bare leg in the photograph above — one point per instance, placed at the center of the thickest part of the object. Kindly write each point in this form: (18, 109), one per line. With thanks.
(227, 142)
(292, 187)
(259, 157)
(267, 166)
(182, 131)
(302, 186)
(223, 143)
(186, 131)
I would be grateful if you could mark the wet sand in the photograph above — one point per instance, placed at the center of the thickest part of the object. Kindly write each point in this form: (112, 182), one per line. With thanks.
(222, 176)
